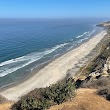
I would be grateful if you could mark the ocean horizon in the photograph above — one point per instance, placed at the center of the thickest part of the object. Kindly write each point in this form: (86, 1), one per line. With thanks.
(26, 44)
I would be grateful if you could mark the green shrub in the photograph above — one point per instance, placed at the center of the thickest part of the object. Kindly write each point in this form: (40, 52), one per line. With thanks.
(43, 98)
(99, 61)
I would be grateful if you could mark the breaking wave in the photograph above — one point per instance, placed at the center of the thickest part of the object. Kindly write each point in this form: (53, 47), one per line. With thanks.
(17, 63)
(86, 34)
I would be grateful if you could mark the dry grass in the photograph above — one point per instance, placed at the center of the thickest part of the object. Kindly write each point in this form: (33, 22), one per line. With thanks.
(6, 106)
(86, 99)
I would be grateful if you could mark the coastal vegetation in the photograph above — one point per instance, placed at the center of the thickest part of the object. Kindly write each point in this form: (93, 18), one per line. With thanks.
(99, 61)
(43, 98)
(105, 92)
(98, 71)
(97, 84)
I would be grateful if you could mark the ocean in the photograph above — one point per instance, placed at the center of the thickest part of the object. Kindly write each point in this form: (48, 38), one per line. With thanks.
(27, 43)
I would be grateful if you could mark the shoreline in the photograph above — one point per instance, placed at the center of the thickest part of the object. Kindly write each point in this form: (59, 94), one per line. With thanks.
(58, 67)
(42, 65)
(27, 73)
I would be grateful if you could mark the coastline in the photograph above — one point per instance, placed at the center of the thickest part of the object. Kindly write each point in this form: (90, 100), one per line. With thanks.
(55, 70)
(42, 65)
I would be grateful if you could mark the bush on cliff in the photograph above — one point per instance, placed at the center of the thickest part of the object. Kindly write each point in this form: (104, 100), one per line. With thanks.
(105, 92)
(97, 83)
(40, 99)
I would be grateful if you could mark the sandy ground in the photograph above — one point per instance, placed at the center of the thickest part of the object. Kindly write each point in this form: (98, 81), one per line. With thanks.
(6, 106)
(54, 71)
(85, 99)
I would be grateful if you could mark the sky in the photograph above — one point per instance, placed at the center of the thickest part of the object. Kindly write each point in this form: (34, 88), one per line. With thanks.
(54, 8)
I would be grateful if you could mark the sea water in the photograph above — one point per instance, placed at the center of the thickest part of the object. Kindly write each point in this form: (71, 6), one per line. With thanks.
(27, 43)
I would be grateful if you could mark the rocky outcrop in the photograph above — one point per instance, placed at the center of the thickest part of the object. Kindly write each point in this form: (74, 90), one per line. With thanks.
(95, 76)
(106, 69)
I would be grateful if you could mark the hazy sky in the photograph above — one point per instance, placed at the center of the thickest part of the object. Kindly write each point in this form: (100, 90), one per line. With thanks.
(54, 8)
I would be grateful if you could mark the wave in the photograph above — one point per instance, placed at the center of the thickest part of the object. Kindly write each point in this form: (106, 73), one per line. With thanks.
(91, 33)
(83, 39)
(86, 34)
(18, 63)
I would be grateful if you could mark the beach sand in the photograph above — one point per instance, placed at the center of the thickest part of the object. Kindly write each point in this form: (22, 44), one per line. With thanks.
(55, 70)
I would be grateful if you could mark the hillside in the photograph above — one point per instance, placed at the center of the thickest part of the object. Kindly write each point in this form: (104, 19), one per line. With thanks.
(86, 99)
(93, 81)
(89, 99)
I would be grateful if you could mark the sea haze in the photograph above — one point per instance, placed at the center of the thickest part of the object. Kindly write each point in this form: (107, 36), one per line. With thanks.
(25, 44)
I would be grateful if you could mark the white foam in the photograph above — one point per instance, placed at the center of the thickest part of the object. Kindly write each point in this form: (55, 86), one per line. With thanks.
(17, 63)
(85, 33)
(92, 32)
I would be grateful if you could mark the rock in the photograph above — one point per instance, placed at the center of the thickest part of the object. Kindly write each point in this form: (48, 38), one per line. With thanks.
(88, 78)
(108, 71)
(97, 77)
(94, 74)
(78, 83)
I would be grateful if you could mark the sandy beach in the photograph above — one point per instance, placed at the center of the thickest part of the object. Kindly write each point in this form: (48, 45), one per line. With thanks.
(55, 70)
